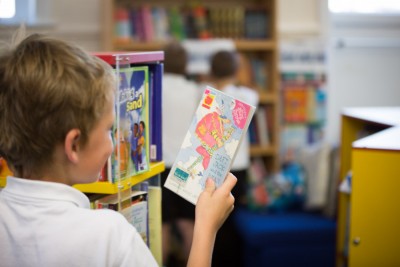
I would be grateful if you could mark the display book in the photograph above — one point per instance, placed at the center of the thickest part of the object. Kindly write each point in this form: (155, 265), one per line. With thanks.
(131, 203)
(219, 125)
(137, 128)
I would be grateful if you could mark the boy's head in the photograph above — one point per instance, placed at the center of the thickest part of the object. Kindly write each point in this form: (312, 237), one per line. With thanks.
(175, 58)
(135, 128)
(141, 127)
(47, 88)
(224, 64)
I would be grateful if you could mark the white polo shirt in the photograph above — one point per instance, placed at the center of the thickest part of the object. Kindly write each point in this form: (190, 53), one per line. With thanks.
(180, 100)
(50, 224)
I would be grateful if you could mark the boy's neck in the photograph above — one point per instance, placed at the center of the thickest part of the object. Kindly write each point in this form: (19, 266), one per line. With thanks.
(222, 83)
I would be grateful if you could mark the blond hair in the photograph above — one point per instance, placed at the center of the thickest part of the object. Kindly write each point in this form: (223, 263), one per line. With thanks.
(47, 88)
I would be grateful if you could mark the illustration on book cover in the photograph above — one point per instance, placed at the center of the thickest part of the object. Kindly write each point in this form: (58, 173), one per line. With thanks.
(210, 145)
(130, 130)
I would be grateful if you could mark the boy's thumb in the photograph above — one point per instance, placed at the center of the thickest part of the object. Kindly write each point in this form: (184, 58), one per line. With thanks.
(210, 185)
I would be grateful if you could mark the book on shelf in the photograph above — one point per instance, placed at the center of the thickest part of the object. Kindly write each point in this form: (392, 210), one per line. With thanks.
(137, 215)
(155, 222)
(132, 204)
(263, 126)
(131, 133)
(122, 25)
(103, 176)
(192, 21)
(155, 85)
(295, 103)
(256, 24)
(260, 127)
(210, 145)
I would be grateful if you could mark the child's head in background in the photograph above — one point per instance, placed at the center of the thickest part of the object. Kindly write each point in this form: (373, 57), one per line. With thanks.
(224, 64)
(175, 58)
(54, 98)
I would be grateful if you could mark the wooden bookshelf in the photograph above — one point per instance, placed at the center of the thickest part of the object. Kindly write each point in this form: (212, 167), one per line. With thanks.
(264, 49)
(368, 217)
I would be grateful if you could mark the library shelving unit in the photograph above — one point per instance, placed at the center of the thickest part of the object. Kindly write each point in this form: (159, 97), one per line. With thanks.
(251, 24)
(368, 216)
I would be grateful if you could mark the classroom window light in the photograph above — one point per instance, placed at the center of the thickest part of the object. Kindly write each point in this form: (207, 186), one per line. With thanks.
(7, 9)
(365, 6)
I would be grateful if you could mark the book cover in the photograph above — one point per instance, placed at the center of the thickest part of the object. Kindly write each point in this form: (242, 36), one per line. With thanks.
(210, 145)
(155, 222)
(156, 72)
(131, 134)
(136, 214)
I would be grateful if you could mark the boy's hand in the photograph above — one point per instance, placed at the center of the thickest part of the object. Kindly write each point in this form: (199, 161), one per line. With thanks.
(214, 205)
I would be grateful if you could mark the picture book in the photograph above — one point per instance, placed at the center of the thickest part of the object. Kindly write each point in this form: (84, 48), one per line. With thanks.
(210, 145)
(131, 134)
(136, 214)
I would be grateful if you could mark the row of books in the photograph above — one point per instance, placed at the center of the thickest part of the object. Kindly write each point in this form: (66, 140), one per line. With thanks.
(260, 127)
(253, 72)
(137, 129)
(157, 23)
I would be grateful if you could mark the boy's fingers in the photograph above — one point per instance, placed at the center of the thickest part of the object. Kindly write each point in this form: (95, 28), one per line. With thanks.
(210, 185)
(229, 182)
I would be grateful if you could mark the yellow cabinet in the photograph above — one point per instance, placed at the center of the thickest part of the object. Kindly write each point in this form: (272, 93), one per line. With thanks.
(369, 217)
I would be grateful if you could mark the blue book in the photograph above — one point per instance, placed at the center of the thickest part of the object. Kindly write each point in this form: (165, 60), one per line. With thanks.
(156, 72)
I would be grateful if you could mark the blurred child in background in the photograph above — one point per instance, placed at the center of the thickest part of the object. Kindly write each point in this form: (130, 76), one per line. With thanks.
(224, 67)
(180, 99)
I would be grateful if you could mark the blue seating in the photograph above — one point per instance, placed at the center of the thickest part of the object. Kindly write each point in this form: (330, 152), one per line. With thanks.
(286, 239)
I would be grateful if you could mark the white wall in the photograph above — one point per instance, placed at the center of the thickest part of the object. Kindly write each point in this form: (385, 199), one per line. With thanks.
(73, 20)
(364, 67)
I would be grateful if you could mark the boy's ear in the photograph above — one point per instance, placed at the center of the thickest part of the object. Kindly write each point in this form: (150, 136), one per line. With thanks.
(71, 145)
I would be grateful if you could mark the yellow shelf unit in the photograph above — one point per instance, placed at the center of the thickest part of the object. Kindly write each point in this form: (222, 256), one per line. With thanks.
(365, 217)
(375, 215)
(2, 181)
(112, 188)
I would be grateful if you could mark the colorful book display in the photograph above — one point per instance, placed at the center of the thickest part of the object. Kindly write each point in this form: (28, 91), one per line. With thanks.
(131, 134)
(210, 145)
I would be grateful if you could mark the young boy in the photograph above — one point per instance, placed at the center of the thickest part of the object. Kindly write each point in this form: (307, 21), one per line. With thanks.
(56, 116)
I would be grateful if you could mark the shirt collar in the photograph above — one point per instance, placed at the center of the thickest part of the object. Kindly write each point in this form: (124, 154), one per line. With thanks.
(43, 190)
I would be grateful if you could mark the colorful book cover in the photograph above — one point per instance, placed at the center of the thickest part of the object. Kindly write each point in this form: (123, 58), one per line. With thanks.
(210, 145)
(295, 103)
(155, 222)
(156, 72)
(131, 134)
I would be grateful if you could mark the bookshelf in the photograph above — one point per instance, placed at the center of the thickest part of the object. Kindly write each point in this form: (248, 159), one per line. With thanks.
(368, 217)
(251, 24)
